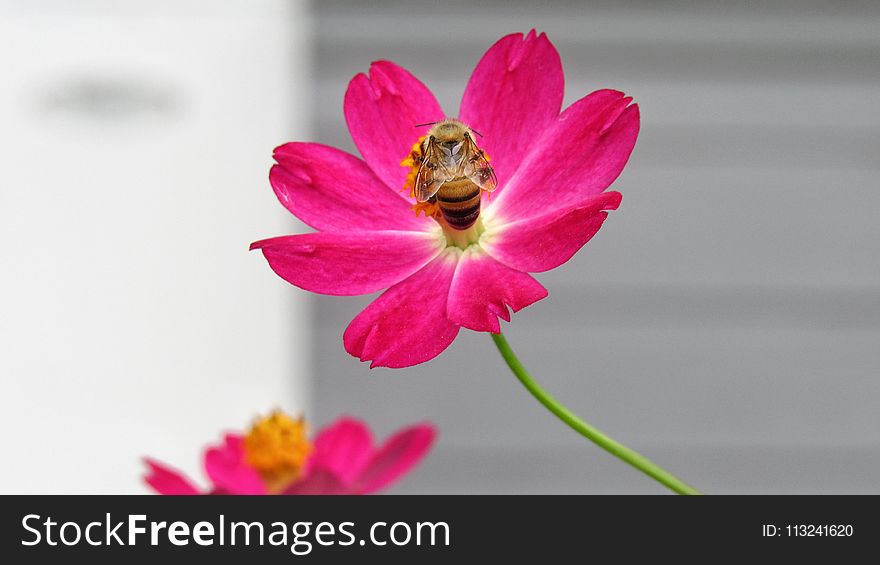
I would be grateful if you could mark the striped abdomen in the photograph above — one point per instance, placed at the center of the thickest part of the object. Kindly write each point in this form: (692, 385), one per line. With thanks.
(459, 201)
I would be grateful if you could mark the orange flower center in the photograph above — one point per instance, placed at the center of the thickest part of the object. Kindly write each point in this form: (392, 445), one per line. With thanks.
(413, 161)
(277, 446)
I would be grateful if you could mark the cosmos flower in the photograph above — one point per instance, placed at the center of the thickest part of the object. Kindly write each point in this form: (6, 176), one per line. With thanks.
(552, 167)
(276, 457)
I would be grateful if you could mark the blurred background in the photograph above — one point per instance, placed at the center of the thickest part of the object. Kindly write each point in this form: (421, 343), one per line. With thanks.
(725, 321)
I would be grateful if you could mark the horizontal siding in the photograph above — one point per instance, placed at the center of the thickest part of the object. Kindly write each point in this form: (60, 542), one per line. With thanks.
(716, 470)
(678, 306)
(732, 301)
(832, 106)
(656, 385)
(804, 63)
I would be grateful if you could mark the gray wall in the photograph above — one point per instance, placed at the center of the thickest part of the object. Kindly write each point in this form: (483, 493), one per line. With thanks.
(725, 321)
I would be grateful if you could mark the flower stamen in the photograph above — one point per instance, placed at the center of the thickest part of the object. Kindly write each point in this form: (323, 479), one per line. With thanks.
(413, 161)
(277, 447)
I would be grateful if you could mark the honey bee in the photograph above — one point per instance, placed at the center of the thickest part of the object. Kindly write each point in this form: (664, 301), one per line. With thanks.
(453, 172)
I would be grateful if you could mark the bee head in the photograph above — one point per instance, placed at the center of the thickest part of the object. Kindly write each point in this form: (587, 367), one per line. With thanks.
(449, 137)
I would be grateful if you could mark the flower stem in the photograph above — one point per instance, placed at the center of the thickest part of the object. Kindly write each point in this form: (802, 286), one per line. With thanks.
(613, 447)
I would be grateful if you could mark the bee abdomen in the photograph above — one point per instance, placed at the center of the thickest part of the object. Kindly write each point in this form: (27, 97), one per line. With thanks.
(459, 202)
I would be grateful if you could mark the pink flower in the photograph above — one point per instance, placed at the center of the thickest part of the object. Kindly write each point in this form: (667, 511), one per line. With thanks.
(276, 457)
(552, 168)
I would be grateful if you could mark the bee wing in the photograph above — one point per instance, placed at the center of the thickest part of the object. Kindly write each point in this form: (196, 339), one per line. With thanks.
(430, 177)
(427, 184)
(478, 169)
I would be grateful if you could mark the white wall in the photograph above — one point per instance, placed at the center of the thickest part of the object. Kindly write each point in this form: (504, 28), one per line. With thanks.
(135, 143)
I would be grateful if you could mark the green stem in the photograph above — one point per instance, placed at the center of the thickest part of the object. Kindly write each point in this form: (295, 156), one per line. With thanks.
(613, 447)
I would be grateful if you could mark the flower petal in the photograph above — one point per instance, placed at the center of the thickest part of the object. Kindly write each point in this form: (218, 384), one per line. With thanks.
(545, 242)
(342, 449)
(346, 264)
(482, 289)
(229, 471)
(514, 94)
(407, 324)
(382, 111)
(165, 480)
(319, 482)
(579, 155)
(329, 189)
(397, 456)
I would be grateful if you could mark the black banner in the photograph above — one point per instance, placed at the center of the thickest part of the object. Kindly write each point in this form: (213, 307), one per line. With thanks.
(433, 529)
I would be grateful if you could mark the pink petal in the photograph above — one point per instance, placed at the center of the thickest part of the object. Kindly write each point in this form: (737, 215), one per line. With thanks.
(545, 242)
(407, 324)
(397, 456)
(580, 155)
(482, 289)
(382, 111)
(346, 264)
(514, 94)
(229, 471)
(329, 189)
(319, 482)
(165, 480)
(342, 449)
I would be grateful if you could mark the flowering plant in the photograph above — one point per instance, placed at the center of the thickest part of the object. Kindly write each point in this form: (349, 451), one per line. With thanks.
(552, 171)
(452, 215)
(276, 457)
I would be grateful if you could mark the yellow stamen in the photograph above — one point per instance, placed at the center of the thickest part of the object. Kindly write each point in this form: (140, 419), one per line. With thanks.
(413, 161)
(429, 209)
(277, 446)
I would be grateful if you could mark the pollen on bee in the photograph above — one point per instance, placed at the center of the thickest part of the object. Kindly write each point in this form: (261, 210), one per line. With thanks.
(429, 209)
(413, 161)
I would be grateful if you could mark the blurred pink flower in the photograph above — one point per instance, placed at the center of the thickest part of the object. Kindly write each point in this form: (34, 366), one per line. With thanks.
(553, 169)
(276, 457)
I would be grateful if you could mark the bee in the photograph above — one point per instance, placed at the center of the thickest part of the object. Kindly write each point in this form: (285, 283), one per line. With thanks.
(453, 173)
